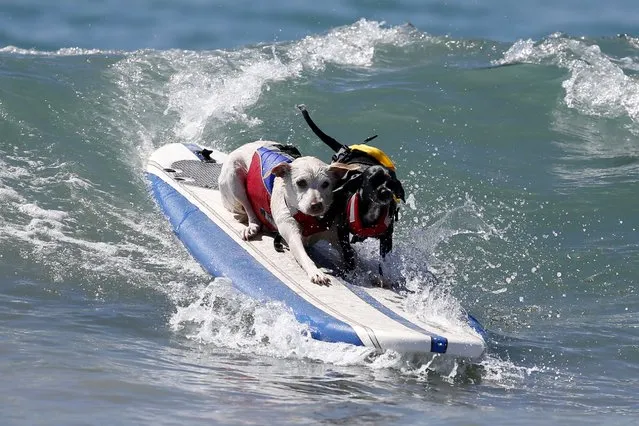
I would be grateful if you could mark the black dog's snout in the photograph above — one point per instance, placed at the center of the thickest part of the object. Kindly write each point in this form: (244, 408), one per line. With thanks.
(384, 194)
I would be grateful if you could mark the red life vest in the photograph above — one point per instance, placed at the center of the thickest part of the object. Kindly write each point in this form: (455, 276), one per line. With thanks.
(310, 224)
(355, 224)
(259, 187)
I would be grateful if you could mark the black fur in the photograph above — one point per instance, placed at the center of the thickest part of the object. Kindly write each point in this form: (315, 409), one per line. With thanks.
(375, 186)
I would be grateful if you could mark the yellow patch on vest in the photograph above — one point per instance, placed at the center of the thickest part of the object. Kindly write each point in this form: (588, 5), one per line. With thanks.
(376, 153)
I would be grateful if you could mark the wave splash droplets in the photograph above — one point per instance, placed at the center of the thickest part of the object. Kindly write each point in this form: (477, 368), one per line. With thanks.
(216, 314)
(223, 317)
(215, 89)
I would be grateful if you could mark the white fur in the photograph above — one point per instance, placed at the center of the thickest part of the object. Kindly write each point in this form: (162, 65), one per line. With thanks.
(286, 200)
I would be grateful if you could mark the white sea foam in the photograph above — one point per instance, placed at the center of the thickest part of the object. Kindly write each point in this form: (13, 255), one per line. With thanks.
(219, 316)
(67, 51)
(9, 194)
(217, 88)
(597, 84)
(211, 90)
(40, 213)
(134, 247)
(223, 317)
(353, 45)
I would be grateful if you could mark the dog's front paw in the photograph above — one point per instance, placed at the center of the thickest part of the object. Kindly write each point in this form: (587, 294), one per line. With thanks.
(378, 280)
(250, 231)
(319, 277)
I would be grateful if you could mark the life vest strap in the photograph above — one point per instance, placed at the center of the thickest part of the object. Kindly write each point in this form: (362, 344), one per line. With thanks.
(356, 226)
(311, 224)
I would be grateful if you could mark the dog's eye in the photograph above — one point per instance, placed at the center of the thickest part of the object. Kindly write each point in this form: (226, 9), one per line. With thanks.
(301, 183)
(377, 179)
(325, 184)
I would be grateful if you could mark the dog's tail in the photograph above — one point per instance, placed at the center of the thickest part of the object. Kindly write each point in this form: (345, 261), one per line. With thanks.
(361, 154)
(331, 142)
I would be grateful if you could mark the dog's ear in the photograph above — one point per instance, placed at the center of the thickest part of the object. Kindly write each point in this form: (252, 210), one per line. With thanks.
(341, 169)
(281, 169)
(351, 184)
(398, 190)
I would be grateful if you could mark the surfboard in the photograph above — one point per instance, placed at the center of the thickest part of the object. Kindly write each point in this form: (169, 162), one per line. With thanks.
(183, 182)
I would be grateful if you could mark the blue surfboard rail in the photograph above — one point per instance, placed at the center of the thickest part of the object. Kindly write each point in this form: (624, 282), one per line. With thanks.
(221, 256)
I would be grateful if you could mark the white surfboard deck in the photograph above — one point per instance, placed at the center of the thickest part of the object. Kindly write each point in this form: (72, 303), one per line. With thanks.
(184, 184)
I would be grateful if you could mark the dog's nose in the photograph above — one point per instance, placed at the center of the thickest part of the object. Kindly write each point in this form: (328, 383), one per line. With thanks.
(317, 207)
(384, 194)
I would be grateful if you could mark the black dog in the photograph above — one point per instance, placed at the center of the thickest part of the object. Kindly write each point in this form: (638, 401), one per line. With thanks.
(365, 204)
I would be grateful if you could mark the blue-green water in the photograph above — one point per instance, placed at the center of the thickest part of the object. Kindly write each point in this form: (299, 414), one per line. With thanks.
(514, 127)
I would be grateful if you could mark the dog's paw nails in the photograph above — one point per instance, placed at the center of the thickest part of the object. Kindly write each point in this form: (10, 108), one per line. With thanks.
(320, 277)
(250, 231)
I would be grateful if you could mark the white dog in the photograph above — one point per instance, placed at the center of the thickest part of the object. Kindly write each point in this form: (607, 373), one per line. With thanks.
(284, 194)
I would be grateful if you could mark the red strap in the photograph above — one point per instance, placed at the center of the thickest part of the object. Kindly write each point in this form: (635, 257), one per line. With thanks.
(355, 222)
